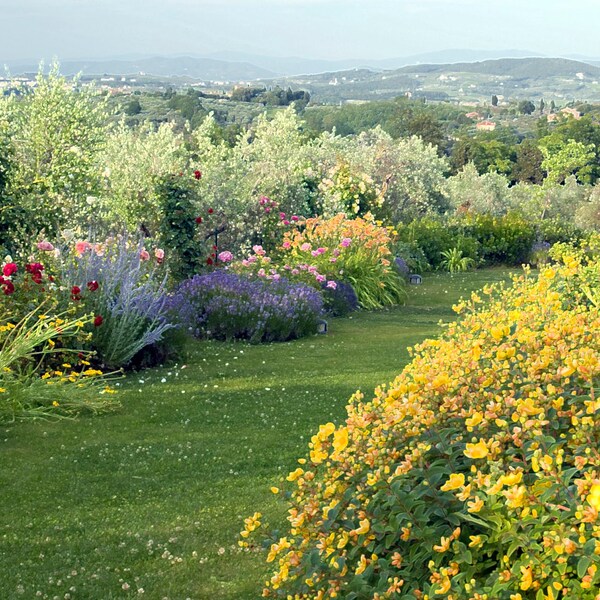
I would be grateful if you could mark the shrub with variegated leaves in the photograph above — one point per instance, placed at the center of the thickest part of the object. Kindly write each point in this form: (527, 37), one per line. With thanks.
(475, 474)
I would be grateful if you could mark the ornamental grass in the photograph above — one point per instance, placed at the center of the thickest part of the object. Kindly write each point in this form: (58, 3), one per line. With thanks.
(474, 475)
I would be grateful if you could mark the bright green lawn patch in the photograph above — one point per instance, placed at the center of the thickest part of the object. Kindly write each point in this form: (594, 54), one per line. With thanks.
(153, 497)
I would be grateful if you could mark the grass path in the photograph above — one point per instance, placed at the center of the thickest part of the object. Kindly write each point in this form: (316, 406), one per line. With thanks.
(147, 503)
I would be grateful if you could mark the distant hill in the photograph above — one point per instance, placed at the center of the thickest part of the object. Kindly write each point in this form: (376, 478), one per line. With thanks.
(182, 66)
(561, 79)
(513, 67)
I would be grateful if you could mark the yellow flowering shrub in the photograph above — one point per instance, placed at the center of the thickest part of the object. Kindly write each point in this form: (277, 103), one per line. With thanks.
(474, 475)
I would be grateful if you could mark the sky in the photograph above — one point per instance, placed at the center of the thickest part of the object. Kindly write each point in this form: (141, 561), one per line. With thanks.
(332, 29)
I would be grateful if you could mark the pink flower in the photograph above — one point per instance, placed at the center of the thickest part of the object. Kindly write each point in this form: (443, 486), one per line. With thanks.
(320, 278)
(333, 259)
(45, 246)
(245, 263)
(81, 247)
(144, 254)
(276, 277)
(287, 245)
(286, 222)
(251, 259)
(315, 253)
(258, 250)
(225, 256)
(261, 273)
(321, 250)
(294, 218)
(346, 242)
(263, 200)
(336, 252)
(332, 285)
(305, 247)
(159, 254)
(282, 215)
(295, 272)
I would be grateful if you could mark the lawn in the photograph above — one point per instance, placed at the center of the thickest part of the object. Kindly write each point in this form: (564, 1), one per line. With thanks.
(148, 502)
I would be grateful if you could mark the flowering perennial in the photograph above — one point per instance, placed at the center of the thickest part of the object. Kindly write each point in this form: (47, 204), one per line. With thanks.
(475, 474)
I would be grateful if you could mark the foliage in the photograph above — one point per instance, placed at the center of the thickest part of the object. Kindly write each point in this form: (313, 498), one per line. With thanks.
(126, 294)
(27, 390)
(349, 192)
(454, 261)
(487, 193)
(178, 226)
(223, 305)
(134, 162)
(53, 135)
(473, 474)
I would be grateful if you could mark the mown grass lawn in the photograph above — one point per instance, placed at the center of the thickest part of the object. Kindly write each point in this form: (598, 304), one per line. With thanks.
(148, 502)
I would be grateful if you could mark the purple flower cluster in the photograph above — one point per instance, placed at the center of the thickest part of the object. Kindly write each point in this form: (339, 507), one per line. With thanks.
(223, 305)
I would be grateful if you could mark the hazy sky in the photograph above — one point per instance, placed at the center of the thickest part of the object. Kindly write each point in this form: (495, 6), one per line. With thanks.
(32, 29)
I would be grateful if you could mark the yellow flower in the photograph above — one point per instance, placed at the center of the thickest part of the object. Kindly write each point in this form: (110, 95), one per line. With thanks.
(594, 496)
(456, 480)
(275, 490)
(55, 403)
(362, 565)
(340, 439)
(478, 450)
(295, 474)
(2, 390)
(475, 541)
(526, 578)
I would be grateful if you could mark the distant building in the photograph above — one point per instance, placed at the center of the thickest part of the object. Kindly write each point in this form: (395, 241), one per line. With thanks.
(571, 111)
(486, 126)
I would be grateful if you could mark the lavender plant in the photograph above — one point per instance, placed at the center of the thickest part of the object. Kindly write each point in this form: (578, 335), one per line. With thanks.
(126, 291)
(223, 305)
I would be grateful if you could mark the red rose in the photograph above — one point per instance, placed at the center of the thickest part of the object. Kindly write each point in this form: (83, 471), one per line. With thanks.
(34, 268)
(209, 261)
(198, 220)
(75, 293)
(98, 320)
(8, 288)
(36, 277)
(197, 174)
(92, 286)
(210, 211)
(9, 269)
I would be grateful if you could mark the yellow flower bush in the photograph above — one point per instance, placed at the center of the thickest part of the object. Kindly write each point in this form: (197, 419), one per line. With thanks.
(474, 475)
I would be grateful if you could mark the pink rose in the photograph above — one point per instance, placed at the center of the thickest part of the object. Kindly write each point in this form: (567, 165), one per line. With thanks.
(45, 246)
(332, 285)
(159, 254)
(305, 247)
(144, 254)
(225, 256)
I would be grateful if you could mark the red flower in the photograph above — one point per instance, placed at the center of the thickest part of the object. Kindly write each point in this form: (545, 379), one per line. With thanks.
(36, 277)
(92, 286)
(75, 293)
(7, 286)
(9, 269)
(98, 320)
(209, 261)
(210, 211)
(197, 174)
(198, 220)
(34, 268)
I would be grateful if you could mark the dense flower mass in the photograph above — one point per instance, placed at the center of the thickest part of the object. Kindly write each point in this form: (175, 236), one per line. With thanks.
(475, 474)
(224, 305)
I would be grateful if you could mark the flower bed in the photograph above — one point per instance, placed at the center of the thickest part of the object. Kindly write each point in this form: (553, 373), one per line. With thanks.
(223, 305)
